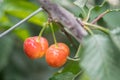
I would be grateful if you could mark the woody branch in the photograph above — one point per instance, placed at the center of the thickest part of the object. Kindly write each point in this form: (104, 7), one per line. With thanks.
(64, 17)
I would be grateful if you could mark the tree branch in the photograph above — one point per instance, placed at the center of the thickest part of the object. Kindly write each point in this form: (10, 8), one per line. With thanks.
(99, 17)
(64, 17)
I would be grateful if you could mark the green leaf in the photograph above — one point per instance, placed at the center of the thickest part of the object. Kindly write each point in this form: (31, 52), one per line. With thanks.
(84, 77)
(6, 45)
(99, 2)
(15, 0)
(1, 10)
(71, 68)
(68, 4)
(64, 76)
(112, 19)
(22, 33)
(97, 10)
(101, 58)
(115, 37)
(4, 21)
(56, 27)
(80, 3)
(22, 9)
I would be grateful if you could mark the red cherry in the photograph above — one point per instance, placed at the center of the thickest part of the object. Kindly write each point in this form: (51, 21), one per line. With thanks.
(35, 47)
(56, 56)
(44, 44)
(64, 47)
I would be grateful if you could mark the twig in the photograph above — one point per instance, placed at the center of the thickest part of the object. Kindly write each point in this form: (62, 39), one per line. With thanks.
(89, 12)
(73, 59)
(99, 17)
(78, 51)
(19, 23)
(97, 27)
(89, 30)
(64, 17)
(67, 35)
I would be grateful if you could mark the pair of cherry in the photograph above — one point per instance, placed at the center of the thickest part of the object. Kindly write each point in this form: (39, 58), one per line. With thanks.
(56, 55)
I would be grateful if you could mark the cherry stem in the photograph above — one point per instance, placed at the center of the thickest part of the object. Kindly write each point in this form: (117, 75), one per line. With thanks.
(100, 16)
(84, 12)
(89, 30)
(42, 30)
(97, 27)
(53, 33)
(78, 51)
(73, 59)
(88, 16)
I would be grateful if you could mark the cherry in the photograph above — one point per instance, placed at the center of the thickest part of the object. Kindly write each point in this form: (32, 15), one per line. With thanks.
(35, 47)
(56, 55)
(64, 47)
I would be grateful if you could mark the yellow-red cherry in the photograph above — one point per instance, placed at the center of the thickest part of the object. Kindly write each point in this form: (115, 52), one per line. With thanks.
(56, 55)
(35, 47)
(64, 47)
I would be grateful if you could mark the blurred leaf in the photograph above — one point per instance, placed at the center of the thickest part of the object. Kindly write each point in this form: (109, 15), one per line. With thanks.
(80, 3)
(64, 76)
(4, 21)
(1, 10)
(72, 66)
(15, 0)
(101, 58)
(115, 36)
(68, 4)
(6, 45)
(22, 33)
(97, 10)
(69, 72)
(48, 28)
(112, 19)
(22, 9)
(21, 5)
(98, 2)
(84, 77)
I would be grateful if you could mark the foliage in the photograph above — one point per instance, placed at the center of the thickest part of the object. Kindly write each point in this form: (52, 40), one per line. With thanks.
(97, 57)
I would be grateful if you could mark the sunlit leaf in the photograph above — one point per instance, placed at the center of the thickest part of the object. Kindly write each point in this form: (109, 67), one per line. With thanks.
(4, 22)
(22, 9)
(22, 33)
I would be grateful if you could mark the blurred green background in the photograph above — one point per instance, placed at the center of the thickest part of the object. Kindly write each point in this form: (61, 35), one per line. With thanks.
(14, 64)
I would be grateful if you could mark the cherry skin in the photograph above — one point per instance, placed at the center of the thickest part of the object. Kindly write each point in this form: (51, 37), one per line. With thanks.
(64, 47)
(56, 56)
(35, 47)
(44, 44)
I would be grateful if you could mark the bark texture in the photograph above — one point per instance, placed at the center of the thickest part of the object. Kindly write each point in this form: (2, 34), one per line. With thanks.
(64, 17)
